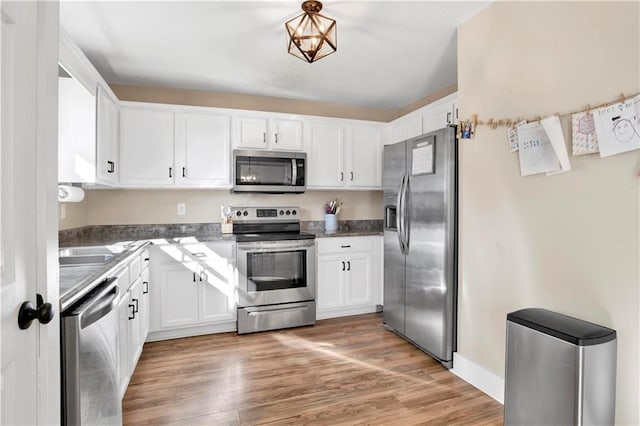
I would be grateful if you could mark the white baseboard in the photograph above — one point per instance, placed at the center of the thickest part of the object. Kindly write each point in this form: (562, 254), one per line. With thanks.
(200, 330)
(479, 377)
(345, 311)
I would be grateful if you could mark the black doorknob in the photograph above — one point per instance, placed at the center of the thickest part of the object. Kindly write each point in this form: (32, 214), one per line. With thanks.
(43, 313)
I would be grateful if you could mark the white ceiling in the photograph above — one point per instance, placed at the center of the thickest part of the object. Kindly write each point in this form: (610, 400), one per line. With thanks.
(390, 53)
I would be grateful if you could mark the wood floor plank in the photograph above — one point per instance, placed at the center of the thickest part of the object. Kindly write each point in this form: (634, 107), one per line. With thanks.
(342, 371)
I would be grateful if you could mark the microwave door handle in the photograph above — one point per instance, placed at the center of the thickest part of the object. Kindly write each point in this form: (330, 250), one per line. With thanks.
(294, 171)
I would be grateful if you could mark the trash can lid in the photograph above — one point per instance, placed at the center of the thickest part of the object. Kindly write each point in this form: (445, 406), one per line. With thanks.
(569, 329)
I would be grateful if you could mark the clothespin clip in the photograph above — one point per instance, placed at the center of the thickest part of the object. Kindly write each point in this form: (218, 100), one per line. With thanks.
(621, 97)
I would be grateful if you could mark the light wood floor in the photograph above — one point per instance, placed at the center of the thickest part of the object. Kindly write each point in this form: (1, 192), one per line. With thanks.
(340, 371)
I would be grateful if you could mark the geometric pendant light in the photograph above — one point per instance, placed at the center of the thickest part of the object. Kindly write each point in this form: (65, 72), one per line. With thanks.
(312, 36)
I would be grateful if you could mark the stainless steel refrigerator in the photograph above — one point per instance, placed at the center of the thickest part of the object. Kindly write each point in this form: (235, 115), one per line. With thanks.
(420, 241)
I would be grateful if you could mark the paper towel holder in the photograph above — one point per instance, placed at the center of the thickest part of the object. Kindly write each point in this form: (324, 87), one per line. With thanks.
(70, 194)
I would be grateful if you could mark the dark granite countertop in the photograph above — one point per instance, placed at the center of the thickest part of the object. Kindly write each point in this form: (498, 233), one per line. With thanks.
(76, 281)
(203, 232)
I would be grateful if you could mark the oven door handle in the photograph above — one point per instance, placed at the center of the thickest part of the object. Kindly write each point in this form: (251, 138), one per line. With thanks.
(263, 310)
(274, 247)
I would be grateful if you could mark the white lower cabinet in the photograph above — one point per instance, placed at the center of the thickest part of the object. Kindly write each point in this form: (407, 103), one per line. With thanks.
(194, 289)
(133, 309)
(348, 276)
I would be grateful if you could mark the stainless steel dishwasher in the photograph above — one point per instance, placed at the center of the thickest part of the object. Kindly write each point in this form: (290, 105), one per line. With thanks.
(90, 376)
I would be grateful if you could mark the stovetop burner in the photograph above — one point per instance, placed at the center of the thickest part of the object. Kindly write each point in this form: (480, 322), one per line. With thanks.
(274, 236)
(268, 224)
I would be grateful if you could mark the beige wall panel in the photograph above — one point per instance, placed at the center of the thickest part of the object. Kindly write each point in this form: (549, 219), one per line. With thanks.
(570, 242)
(248, 102)
(119, 207)
(76, 215)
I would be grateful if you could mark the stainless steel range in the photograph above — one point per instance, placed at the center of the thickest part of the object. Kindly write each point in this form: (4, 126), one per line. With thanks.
(276, 269)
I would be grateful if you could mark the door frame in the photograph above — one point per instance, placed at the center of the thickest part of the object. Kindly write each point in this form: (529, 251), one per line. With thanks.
(46, 204)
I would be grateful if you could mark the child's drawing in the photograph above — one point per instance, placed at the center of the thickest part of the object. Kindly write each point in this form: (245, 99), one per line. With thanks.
(617, 127)
(584, 138)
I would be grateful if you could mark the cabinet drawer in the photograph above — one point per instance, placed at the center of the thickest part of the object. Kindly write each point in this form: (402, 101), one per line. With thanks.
(193, 252)
(345, 244)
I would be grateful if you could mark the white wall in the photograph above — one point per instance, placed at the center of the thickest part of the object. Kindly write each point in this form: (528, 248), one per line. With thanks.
(568, 243)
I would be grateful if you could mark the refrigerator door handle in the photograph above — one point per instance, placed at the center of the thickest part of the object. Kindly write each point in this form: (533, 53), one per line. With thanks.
(399, 216)
(406, 226)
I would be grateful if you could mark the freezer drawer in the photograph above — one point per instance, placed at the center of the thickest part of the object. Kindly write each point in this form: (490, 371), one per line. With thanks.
(273, 317)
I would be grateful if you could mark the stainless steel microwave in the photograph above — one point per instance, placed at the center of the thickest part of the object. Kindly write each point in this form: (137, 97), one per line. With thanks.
(272, 172)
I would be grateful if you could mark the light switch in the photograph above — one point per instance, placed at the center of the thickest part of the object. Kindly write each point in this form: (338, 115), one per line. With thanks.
(182, 209)
(63, 211)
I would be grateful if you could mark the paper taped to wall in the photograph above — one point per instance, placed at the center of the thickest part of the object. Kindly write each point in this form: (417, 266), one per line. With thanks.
(618, 127)
(537, 155)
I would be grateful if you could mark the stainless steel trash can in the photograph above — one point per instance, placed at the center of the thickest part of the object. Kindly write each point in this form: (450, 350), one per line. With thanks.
(559, 370)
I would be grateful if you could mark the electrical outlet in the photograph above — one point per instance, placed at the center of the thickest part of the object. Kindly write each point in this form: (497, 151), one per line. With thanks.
(182, 209)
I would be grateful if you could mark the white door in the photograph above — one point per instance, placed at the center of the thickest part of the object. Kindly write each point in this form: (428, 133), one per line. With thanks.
(146, 146)
(203, 149)
(108, 164)
(252, 133)
(331, 270)
(324, 154)
(30, 358)
(178, 289)
(437, 117)
(359, 279)
(286, 135)
(365, 157)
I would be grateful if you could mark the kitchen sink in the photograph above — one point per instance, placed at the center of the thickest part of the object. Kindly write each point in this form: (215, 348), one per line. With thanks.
(85, 260)
(90, 255)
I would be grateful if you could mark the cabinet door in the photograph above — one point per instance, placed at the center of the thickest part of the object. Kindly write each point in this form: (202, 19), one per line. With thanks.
(216, 292)
(252, 133)
(358, 287)
(437, 117)
(135, 340)
(125, 313)
(202, 151)
(406, 127)
(331, 270)
(325, 156)
(364, 157)
(178, 288)
(146, 146)
(145, 305)
(286, 135)
(108, 162)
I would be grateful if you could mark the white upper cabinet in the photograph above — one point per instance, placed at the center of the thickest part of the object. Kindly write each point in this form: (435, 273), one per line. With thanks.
(364, 156)
(87, 121)
(346, 156)
(406, 127)
(325, 155)
(108, 158)
(169, 145)
(202, 149)
(146, 146)
(274, 133)
(436, 115)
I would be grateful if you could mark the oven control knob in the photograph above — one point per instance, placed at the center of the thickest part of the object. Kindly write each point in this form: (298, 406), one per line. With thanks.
(281, 212)
(245, 213)
(293, 212)
(288, 212)
(238, 213)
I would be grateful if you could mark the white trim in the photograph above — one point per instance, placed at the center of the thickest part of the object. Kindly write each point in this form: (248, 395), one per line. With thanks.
(176, 333)
(479, 377)
(345, 312)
